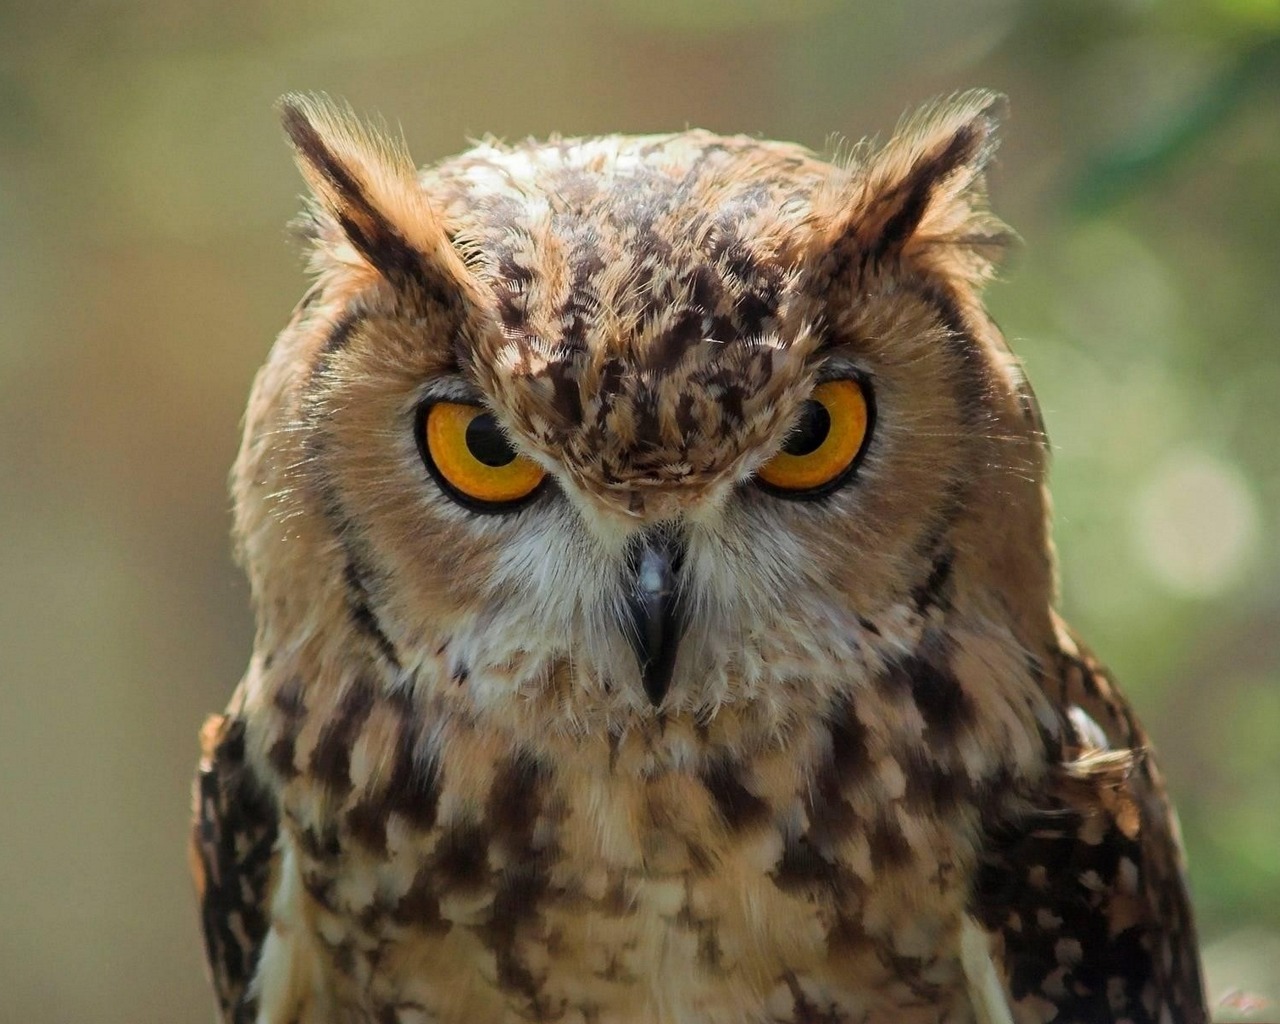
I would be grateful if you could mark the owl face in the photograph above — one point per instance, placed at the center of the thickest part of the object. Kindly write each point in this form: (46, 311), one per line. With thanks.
(637, 423)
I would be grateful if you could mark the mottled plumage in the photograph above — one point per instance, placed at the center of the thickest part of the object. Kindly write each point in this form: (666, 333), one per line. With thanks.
(643, 740)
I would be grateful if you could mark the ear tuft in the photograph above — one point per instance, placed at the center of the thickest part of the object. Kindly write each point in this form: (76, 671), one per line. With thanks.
(366, 184)
(924, 193)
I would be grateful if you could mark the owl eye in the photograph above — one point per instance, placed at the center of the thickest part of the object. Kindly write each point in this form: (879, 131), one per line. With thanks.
(826, 445)
(472, 460)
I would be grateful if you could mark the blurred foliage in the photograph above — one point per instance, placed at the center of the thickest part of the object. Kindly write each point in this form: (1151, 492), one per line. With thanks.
(144, 269)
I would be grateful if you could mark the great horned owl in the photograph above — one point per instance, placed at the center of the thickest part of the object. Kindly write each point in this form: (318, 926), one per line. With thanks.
(655, 611)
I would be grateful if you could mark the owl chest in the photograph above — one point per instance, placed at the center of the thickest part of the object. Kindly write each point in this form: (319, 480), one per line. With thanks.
(520, 888)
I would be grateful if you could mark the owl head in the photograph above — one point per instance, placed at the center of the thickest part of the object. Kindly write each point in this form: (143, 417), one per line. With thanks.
(629, 426)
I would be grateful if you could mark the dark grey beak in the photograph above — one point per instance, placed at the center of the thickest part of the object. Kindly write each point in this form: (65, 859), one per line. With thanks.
(653, 569)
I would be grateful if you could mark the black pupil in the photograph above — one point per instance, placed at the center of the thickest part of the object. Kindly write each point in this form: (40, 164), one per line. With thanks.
(486, 443)
(810, 431)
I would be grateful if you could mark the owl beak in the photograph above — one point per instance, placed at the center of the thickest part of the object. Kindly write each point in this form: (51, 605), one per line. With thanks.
(656, 619)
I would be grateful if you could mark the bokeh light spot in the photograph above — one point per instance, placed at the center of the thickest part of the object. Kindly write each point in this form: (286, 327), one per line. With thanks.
(1195, 523)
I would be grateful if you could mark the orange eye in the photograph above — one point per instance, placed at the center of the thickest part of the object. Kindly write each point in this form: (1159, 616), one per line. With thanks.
(823, 449)
(471, 458)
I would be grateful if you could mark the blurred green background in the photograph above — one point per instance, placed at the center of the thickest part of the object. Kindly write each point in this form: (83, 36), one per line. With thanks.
(144, 268)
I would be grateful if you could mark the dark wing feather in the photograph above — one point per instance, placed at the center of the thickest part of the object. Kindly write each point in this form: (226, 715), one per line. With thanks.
(233, 859)
(1084, 891)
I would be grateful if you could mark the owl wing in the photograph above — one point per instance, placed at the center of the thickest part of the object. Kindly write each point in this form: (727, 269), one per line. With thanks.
(1084, 896)
(233, 859)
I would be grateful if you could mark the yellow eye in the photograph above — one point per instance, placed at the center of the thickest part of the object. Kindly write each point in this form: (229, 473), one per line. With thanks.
(471, 458)
(824, 448)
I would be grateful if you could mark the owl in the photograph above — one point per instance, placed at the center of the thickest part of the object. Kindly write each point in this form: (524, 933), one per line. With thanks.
(655, 611)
